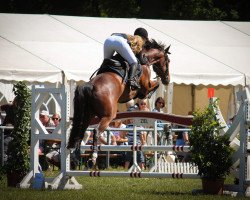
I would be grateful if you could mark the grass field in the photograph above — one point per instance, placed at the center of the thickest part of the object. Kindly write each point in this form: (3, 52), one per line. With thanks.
(115, 189)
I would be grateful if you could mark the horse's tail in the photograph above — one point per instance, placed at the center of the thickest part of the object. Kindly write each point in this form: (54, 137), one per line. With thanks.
(81, 112)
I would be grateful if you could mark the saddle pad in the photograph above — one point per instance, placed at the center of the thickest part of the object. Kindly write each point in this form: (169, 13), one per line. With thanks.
(121, 71)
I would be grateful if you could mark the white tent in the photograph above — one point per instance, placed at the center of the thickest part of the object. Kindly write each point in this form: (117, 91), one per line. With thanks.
(203, 52)
(49, 48)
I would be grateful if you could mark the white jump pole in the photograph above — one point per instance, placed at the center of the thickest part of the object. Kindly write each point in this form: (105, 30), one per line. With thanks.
(132, 174)
(137, 148)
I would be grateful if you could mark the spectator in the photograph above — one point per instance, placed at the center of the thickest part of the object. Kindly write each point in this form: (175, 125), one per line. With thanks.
(163, 137)
(120, 136)
(53, 157)
(43, 145)
(143, 105)
(139, 141)
(56, 118)
(45, 119)
(181, 140)
(181, 137)
(121, 139)
(10, 115)
(131, 105)
(8, 121)
(103, 139)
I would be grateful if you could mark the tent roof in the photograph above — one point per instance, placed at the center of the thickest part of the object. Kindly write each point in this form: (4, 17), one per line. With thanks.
(43, 47)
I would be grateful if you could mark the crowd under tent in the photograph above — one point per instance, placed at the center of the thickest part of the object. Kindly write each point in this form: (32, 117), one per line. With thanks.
(51, 50)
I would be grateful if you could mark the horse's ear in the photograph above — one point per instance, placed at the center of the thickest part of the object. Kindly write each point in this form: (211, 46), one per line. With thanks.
(167, 50)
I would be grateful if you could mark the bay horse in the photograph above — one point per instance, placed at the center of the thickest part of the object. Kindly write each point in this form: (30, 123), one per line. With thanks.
(99, 96)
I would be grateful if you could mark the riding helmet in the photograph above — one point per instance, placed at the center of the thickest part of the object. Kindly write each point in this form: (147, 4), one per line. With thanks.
(141, 32)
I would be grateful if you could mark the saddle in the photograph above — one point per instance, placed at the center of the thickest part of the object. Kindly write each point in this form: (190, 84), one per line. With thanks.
(118, 66)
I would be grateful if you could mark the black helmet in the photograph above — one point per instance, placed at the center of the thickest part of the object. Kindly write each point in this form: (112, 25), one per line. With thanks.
(141, 32)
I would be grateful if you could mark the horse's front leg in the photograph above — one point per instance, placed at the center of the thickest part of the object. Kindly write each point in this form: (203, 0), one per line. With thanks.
(151, 86)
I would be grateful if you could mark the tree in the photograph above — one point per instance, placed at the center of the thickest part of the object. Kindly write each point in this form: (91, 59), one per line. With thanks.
(17, 164)
(160, 9)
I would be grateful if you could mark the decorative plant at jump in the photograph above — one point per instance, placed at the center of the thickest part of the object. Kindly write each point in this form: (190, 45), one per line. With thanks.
(210, 151)
(18, 149)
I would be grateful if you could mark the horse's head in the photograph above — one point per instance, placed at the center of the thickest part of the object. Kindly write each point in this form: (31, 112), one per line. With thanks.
(157, 56)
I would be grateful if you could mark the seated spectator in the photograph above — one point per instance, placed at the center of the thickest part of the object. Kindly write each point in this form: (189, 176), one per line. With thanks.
(181, 137)
(139, 141)
(181, 140)
(53, 147)
(121, 139)
(45, 119)
(53, 156)
(143, 106)
(9, 120)
(120, 136)
(56, 118)
(131, 105)
(43, 145)
(103, 139)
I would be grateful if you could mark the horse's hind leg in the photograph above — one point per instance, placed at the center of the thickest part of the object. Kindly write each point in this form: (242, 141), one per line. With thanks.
(74, 134)
(102, 126)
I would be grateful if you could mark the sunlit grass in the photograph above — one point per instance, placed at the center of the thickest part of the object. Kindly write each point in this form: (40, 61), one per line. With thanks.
(115, 188)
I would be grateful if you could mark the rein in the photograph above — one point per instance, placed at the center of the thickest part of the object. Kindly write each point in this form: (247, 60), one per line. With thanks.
(94, 73)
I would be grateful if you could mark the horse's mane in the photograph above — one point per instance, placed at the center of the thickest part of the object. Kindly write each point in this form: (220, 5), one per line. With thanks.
(152, 44)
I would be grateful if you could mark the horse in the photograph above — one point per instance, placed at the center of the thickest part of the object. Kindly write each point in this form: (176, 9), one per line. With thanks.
(99, 96)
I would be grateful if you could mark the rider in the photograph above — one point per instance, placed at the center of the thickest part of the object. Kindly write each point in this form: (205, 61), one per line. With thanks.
(127, 46)
(144, 34)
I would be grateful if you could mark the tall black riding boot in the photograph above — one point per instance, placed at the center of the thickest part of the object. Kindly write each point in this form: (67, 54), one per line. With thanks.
(133, 78)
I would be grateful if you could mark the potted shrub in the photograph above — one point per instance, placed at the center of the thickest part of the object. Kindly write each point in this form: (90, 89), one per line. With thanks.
(17, 164)
(210, 150)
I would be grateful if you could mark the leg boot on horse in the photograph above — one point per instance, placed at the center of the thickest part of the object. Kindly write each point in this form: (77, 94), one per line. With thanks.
(132, 78)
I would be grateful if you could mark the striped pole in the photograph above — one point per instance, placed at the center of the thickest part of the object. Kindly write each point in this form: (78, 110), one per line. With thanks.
(132, 174)
(137, 148)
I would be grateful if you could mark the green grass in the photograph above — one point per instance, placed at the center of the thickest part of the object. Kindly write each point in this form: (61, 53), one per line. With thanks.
(115, 188)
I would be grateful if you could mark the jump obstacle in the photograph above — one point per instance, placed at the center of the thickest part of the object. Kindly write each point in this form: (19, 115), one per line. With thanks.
(66, 178)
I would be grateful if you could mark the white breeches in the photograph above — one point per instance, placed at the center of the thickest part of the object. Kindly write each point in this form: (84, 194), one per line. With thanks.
(120, 45)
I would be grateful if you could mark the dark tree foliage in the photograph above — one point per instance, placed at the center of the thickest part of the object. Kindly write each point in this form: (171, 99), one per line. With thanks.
(196, 9)
(234, 10)
(119, 8)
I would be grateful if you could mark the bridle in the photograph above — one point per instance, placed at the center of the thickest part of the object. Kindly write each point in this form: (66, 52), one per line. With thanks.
(158, 69)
